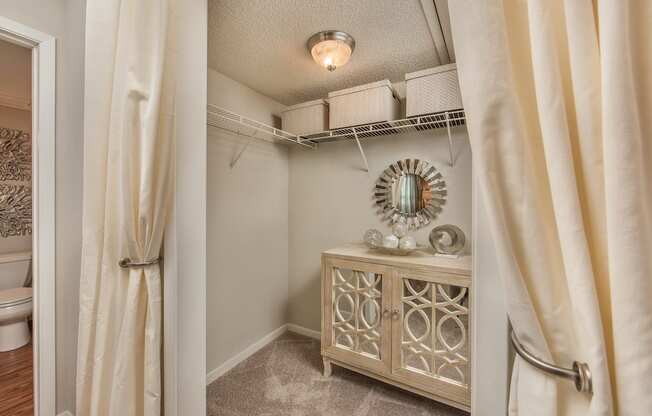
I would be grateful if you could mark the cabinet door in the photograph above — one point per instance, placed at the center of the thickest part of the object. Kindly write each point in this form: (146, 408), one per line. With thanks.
(356, 323)
(431, 334)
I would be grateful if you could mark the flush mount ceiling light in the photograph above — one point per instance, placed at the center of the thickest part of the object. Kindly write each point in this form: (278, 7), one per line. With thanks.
(331, 48)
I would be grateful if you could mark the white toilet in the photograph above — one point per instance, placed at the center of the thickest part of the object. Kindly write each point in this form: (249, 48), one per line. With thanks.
(15, 301)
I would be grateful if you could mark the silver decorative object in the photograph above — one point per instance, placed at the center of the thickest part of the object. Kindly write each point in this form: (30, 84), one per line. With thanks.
(15, 155)
(15, 210)
(411, 190)
(373, 238)
(447, 239)
(398, 251)
(400, 229)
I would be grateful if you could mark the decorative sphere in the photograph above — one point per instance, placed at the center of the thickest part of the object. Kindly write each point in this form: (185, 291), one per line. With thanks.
(373, 238)
(400, 229)
(408, 242)
(390, 241)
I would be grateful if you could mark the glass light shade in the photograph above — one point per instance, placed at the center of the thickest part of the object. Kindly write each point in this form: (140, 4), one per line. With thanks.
(331, 49)
(331, 54)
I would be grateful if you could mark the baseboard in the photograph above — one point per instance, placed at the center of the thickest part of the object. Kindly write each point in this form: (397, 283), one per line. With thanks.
(65, 413)
(244, 354)
(304, 331)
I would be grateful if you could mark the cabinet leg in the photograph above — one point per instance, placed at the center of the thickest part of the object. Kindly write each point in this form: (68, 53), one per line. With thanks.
(328, 369)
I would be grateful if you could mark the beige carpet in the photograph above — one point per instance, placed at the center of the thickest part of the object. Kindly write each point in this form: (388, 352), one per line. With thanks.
(285, 378)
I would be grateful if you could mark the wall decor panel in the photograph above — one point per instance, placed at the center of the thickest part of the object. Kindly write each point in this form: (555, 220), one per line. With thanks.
(15, 183)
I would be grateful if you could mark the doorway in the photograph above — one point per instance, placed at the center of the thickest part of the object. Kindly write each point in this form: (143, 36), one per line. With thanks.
(27, 209)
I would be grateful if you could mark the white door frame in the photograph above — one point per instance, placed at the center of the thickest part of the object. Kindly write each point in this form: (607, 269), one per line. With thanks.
(43, 48)
(184, 282)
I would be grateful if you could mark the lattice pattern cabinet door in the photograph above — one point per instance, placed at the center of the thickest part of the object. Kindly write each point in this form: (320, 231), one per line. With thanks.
(356, 325)
(431, 338)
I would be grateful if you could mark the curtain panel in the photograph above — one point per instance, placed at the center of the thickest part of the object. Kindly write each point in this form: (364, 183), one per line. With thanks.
(128, 186)
(558, 97)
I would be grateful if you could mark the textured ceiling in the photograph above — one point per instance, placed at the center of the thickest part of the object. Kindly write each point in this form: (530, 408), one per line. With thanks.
(262, 43)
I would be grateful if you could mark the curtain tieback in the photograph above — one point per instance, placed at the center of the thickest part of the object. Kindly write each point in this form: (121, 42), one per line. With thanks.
(127, 263)
(580, 373)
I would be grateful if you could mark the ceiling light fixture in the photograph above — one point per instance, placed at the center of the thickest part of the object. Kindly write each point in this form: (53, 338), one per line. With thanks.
(331, 48)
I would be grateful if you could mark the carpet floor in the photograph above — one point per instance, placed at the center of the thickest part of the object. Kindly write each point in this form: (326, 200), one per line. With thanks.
(285, 379)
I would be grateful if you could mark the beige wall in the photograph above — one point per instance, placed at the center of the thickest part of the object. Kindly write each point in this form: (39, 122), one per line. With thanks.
(65, 21)
(22, 120)
(15, 119)
(15, 72)
(15, 84)
(247, 228)
(331, 202)
(271, 216)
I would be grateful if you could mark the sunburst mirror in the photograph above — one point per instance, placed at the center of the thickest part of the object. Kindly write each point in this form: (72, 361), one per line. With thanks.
(411, 190)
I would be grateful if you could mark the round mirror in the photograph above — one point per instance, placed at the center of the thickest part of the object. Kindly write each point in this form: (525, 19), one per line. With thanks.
(411, 190)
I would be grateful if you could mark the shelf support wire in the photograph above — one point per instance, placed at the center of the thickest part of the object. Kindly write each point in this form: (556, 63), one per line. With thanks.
(244, 148)
(450, 139)
(364, 157)
(240, 153)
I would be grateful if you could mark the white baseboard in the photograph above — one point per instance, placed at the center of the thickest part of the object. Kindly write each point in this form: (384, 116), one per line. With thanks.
(65, 413)
(244, 354)
(304, 331)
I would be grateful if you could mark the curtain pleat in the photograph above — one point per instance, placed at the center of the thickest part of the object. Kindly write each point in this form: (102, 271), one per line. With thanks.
(128, 186)
(558, 97)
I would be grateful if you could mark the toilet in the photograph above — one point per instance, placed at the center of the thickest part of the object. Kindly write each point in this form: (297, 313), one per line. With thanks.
(15, 301)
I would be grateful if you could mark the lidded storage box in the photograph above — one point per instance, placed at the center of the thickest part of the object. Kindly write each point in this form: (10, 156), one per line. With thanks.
(432, 91)
(369, 103)
(306, 118)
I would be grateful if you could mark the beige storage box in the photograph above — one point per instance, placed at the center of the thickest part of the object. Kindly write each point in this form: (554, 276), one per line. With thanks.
(432, 91)
(369, 103)
(305, 118)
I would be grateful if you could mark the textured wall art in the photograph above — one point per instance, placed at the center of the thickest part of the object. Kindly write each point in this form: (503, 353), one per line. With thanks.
(15, 210)
(15, 183)
(15, 155)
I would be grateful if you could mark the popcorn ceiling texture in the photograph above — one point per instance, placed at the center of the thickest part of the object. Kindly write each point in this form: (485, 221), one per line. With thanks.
(262, 44)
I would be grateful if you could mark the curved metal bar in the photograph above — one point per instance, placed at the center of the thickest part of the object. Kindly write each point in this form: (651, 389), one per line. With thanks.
(127, 263)
(579, 374)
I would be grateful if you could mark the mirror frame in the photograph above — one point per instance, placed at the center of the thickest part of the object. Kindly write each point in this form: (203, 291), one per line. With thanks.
(384, 199)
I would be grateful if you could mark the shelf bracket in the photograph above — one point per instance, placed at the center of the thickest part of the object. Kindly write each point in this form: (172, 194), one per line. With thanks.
(237, 157)
(450, 140)
(364, 158)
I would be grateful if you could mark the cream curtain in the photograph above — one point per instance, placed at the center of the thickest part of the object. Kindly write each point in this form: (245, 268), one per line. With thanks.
(558, 96)
(128, 180)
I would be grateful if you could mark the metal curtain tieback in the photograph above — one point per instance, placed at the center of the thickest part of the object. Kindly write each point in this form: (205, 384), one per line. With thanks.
(127, 263)
(580, 374)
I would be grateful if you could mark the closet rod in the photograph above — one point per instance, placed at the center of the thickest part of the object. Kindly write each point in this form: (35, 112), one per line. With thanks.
(579, 374)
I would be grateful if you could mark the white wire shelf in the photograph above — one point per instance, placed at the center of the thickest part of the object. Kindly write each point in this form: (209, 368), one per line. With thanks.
(227, 120)
(237, 124)
(445, 119)
(418, 123)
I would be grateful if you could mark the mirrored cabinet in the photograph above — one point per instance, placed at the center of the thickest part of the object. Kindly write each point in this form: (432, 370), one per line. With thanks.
(402, 320)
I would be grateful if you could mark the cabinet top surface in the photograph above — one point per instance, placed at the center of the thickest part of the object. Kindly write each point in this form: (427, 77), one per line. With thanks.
(423, 258)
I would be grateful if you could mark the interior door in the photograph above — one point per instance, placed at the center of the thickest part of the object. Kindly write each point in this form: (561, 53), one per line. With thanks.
(431, 333)
(357, 314)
